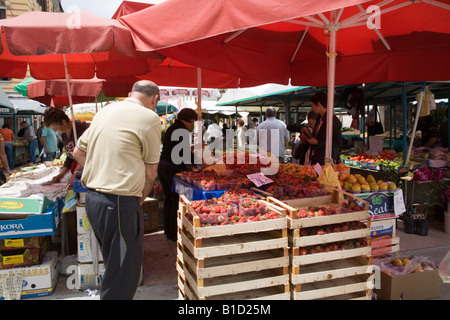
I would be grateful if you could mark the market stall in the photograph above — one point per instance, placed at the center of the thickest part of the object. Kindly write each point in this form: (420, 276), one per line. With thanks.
(31, 212)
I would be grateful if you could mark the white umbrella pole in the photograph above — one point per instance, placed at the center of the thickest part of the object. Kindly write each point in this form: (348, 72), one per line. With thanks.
(416, 120)
(198, 145)
(69, 93)
(331, 81)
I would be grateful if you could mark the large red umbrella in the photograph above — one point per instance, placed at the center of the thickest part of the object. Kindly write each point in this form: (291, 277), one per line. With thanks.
(92, 46)
(307, 42)
(55, 93)
(175, 73)
(77, 45)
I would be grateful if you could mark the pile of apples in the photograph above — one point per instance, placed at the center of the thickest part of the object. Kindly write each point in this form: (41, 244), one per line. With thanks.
(358, 183)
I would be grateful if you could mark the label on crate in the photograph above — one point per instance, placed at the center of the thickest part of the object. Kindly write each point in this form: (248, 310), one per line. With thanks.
(14, 243)
(384, 205)
(17, 259)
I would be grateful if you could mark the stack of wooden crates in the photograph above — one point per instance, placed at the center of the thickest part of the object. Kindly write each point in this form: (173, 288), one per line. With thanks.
(239, 261)
(263, 260)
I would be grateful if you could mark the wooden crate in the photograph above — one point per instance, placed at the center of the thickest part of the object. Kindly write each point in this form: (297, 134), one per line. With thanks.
(150, 211)
(180, 261)
(385, 244)
(349, 278)
(235, 261)
(341, 274)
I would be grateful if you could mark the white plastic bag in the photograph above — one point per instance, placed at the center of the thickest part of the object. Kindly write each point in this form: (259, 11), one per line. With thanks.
(444, 268)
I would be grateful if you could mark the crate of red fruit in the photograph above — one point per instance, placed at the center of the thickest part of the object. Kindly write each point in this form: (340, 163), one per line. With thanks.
(323, 210)
(314, 189)
(231, 222)
(250, 207)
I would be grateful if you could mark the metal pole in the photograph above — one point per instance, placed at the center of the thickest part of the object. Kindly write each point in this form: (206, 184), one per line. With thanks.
(331, 82)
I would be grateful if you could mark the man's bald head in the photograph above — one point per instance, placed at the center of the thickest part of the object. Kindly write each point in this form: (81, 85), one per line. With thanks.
(147, 92)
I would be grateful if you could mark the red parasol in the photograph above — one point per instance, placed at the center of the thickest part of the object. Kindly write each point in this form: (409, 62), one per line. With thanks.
(307, 42)
(69, 45)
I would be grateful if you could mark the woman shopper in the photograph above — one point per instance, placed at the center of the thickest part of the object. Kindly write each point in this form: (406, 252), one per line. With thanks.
(172, 161)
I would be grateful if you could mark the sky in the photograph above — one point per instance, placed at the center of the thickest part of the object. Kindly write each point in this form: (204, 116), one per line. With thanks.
(102, 8)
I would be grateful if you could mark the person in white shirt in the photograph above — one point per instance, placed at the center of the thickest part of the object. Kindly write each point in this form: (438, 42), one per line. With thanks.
(213, 136)
(240, 135)
(272, 135)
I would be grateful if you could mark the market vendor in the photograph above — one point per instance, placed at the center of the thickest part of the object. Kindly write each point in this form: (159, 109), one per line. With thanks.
(172, 162)
(319, 136)
(430, 132)
(301, 151)
(30, 137)
(57, 120)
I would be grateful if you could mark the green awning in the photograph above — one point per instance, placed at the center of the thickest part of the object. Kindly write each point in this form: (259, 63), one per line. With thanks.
(22, 86)
(161, 108)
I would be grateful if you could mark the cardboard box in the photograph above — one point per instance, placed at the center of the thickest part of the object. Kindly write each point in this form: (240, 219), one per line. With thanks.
(87, 276)
(86, 243)
(150, 209)
(13, 208)
(414, 286)
(383, 204)
(22, 252)
(39, 280)
(382, 227)
(28, 242)
(83, 224)
(30, 225)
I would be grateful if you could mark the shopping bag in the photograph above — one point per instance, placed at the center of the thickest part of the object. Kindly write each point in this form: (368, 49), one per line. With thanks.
(376, 128)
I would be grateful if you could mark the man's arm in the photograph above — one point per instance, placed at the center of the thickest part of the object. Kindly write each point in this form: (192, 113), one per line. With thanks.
(80, 156)
(151, 172)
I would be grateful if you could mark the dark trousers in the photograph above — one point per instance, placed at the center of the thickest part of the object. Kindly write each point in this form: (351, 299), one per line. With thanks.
(166, 172)
(118, 224)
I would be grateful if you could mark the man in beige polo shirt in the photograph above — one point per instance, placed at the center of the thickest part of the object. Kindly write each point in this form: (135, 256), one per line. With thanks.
(119, 154)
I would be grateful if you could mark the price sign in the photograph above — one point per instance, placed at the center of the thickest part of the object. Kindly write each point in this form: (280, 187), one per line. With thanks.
(259, 179)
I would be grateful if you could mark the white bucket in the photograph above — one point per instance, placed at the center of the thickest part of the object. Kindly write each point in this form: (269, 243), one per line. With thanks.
(447, 222)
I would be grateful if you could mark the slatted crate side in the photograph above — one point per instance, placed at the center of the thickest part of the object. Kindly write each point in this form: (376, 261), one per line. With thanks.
(240, 243)
(300, 260)
(330, 270)
(181, 281)
(304, 241)
(235, 283)
(280, 292)
(360, 285)
(239, 263)
(197, 231)
(385, 245)
(324, 220)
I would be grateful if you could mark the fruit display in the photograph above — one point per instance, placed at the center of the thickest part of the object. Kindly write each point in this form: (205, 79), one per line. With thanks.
(401, 265)
(224, 210)
(291, 181)
(327, 210)
(334, 246)
(332, 228)
(251, 207)
(358, 183)
(385, 160)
